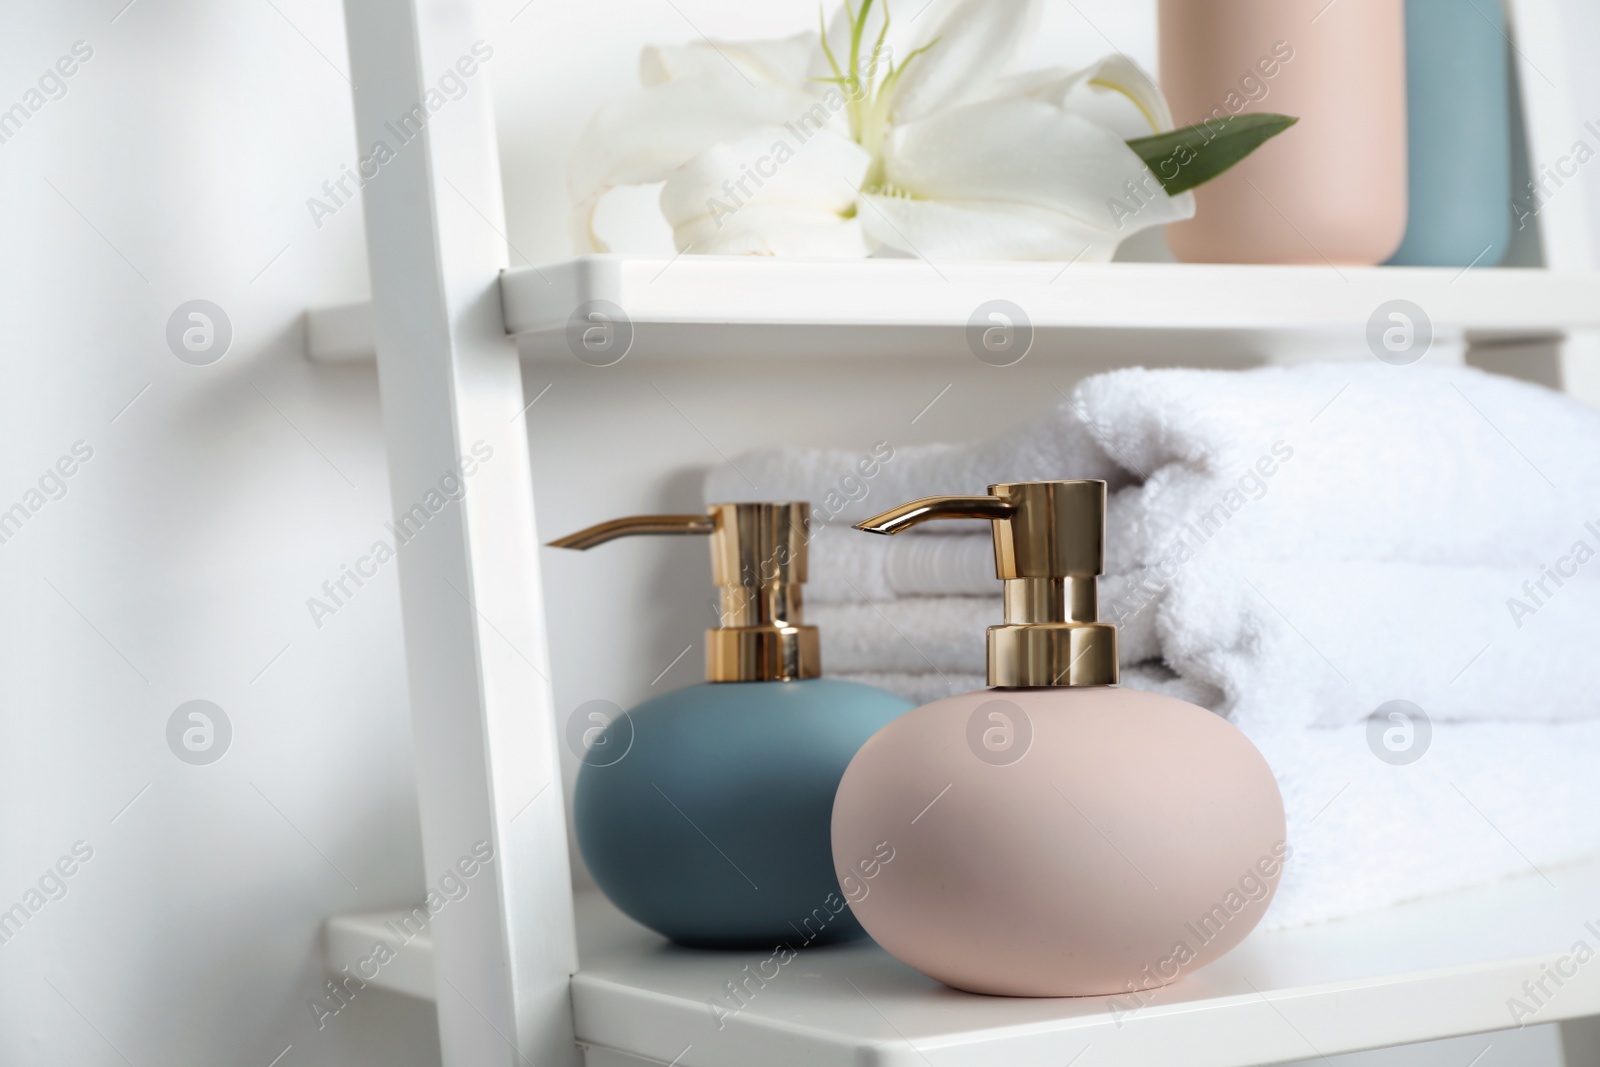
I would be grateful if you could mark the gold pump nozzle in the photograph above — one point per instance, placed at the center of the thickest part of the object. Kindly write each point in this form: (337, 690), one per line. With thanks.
(1049, 550)
(758, 561)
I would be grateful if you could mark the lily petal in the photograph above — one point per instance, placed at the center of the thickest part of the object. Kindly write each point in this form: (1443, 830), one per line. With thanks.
(1012, 166)
(1026, 152)
(775, 230)
(1120, 74)
(739, 64)
(644, 136)
(770, 193)
(968, 43)
(936, 231)
(1117, 73)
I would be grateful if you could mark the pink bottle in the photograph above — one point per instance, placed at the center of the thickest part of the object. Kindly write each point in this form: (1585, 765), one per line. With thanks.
(1332, 188)
(1054, 835)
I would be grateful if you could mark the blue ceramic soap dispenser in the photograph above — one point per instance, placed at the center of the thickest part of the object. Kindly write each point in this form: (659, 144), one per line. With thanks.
(1459, 119)
(706, 815)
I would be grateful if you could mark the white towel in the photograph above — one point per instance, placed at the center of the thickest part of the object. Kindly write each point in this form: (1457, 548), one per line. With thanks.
(1039, 450)
(913, 635)
(1419, 464)
(1292, 644)
(1485, 801)
(847, 565)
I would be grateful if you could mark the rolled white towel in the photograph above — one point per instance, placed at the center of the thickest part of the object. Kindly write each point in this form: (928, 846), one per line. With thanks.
(1434, 465)
(1484, 801)
(1423, 464)
(846, 487)
(847, 565)
(1290, 645)
(1294, 645)
(922, 634)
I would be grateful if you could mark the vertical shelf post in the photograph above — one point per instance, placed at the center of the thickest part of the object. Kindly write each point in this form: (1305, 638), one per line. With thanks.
(476, 652)
(1551, 119)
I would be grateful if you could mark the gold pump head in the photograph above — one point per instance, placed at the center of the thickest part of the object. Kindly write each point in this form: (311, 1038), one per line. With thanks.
(1049, 549)
(758, 561)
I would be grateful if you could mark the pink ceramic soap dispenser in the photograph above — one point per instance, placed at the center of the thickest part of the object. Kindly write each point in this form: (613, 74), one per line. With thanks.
(1331, 190)
(1054, 835)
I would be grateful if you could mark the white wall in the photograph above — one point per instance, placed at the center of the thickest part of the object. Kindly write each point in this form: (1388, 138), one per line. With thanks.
(177, 566)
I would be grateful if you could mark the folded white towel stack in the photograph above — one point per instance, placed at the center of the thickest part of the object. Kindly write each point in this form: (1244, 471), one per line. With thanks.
(1292, 547)
(1322, 461)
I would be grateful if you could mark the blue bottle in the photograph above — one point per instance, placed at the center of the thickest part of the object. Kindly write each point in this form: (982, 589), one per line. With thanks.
(1459, 119)
(704, 813)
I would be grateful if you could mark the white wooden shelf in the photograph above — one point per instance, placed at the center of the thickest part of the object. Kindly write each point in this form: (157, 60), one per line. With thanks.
(1415, 972)
(711, 306)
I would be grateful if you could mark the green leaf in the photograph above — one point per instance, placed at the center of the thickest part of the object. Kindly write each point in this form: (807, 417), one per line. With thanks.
(1194, 155)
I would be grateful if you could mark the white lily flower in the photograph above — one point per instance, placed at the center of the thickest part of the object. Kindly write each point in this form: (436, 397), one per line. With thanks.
(812, 146)
(804, 204)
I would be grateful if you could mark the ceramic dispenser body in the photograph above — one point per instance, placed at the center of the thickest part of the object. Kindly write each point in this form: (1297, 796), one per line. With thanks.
(713, 830)
(1459, 103)
(1064, 839)
(1333, 189)
(704, 813)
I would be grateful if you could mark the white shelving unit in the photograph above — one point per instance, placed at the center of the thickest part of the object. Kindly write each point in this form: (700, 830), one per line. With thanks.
(519, 973)
(751, 308)
(1430, 969)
